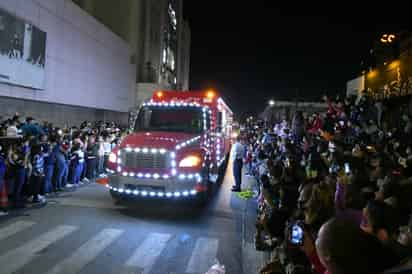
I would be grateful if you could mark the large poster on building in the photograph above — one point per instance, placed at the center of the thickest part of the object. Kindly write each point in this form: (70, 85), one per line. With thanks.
(22, 52)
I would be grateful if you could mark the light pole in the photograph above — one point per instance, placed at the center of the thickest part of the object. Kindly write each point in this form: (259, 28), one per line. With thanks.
(271, 103)
(270, 112)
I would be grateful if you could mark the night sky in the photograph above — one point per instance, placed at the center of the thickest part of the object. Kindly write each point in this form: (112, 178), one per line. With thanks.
(254, 51)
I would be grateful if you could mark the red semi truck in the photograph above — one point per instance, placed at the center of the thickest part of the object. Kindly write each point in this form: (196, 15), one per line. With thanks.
(180, 145)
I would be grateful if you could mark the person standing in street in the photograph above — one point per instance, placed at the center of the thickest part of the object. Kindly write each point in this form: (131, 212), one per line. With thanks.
(237, 157)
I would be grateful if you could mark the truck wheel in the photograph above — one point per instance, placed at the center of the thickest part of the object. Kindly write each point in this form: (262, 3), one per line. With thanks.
(203, 197)
(222, 169)
(117, 199)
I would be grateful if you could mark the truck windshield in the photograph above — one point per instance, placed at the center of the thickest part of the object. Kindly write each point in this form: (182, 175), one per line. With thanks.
(180, 119)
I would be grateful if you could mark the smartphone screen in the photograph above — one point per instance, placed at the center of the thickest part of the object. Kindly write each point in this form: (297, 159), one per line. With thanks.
(297, 235)
(347, 168)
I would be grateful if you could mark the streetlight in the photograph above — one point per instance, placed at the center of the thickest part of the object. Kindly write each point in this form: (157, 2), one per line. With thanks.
(271, 103)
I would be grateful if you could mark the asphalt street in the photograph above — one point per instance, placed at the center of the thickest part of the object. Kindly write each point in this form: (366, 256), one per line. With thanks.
(85, 232)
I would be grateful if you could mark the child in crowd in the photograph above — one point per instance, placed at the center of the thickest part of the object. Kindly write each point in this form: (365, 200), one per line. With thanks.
(37, 174)
(76, 164)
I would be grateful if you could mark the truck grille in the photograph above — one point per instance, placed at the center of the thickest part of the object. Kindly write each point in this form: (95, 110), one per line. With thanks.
(144, 160)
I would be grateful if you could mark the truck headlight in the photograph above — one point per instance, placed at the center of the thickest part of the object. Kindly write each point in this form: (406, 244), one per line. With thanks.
(112, 158)
(190, 161)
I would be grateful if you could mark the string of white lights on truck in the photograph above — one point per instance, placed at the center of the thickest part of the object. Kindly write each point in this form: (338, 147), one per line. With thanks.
(160, 194)
(171, 104)
(188, 142)
(140, 175)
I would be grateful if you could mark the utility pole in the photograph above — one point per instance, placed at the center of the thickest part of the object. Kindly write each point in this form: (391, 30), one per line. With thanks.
(296, 98)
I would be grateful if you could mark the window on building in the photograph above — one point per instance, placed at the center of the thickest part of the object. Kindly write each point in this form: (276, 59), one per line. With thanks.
(164, 58)
(172, 16)
(169, 52)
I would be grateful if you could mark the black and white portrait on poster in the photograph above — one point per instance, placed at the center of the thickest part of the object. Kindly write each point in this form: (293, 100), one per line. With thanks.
(22, 52)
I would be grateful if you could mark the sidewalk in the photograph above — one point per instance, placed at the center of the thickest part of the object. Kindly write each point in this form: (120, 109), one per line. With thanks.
(252, 259)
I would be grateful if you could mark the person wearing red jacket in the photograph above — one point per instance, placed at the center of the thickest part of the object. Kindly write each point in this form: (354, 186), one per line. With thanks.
(316, 124)
(249, 160)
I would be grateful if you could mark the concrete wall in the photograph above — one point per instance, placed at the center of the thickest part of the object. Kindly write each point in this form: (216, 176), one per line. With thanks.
(86, 64)
(56, 113)
(355, 86)
(286, 110)
(145, 91)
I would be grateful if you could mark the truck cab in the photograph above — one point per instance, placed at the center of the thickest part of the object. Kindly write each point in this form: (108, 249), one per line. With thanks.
(179, 144)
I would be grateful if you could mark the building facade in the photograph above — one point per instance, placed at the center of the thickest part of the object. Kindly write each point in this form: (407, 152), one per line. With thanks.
(391, 75)
(355, 86)
(62, 65)
(158, 35)
(71, 60)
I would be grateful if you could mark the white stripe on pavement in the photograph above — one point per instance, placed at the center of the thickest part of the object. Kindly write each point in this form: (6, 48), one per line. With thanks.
(18, 257)
(14, 228)
(203, 256)
(146, 254)
(86, 253)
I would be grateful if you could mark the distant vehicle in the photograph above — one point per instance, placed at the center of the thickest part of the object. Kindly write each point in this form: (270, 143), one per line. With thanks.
(179, 146)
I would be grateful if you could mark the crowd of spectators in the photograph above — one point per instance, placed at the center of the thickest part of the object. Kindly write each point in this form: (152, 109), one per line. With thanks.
(334, 189)
(38, 160)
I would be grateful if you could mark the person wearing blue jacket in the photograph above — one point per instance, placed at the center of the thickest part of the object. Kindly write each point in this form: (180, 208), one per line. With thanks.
(60, 167)
(30, 128)
(3, 168)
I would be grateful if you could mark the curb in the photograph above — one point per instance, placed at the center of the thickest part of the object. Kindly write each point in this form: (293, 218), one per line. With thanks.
(252, 260)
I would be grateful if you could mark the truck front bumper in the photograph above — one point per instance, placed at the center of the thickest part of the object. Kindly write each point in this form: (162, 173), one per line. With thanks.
(161, 188)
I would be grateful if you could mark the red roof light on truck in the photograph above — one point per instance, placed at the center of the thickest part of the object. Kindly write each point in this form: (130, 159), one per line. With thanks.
(159, 94)
(210, 94)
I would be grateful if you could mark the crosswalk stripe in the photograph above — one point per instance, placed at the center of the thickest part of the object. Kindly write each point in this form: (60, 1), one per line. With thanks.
(203, 256)
(14, 228)
(146, 254)
(18, 257)
(86, 253)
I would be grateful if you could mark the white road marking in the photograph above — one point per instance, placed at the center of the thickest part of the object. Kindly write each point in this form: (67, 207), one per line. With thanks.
(18, 257)
(14, 228)
(147, 253)
(86, 253)
(203, 256)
